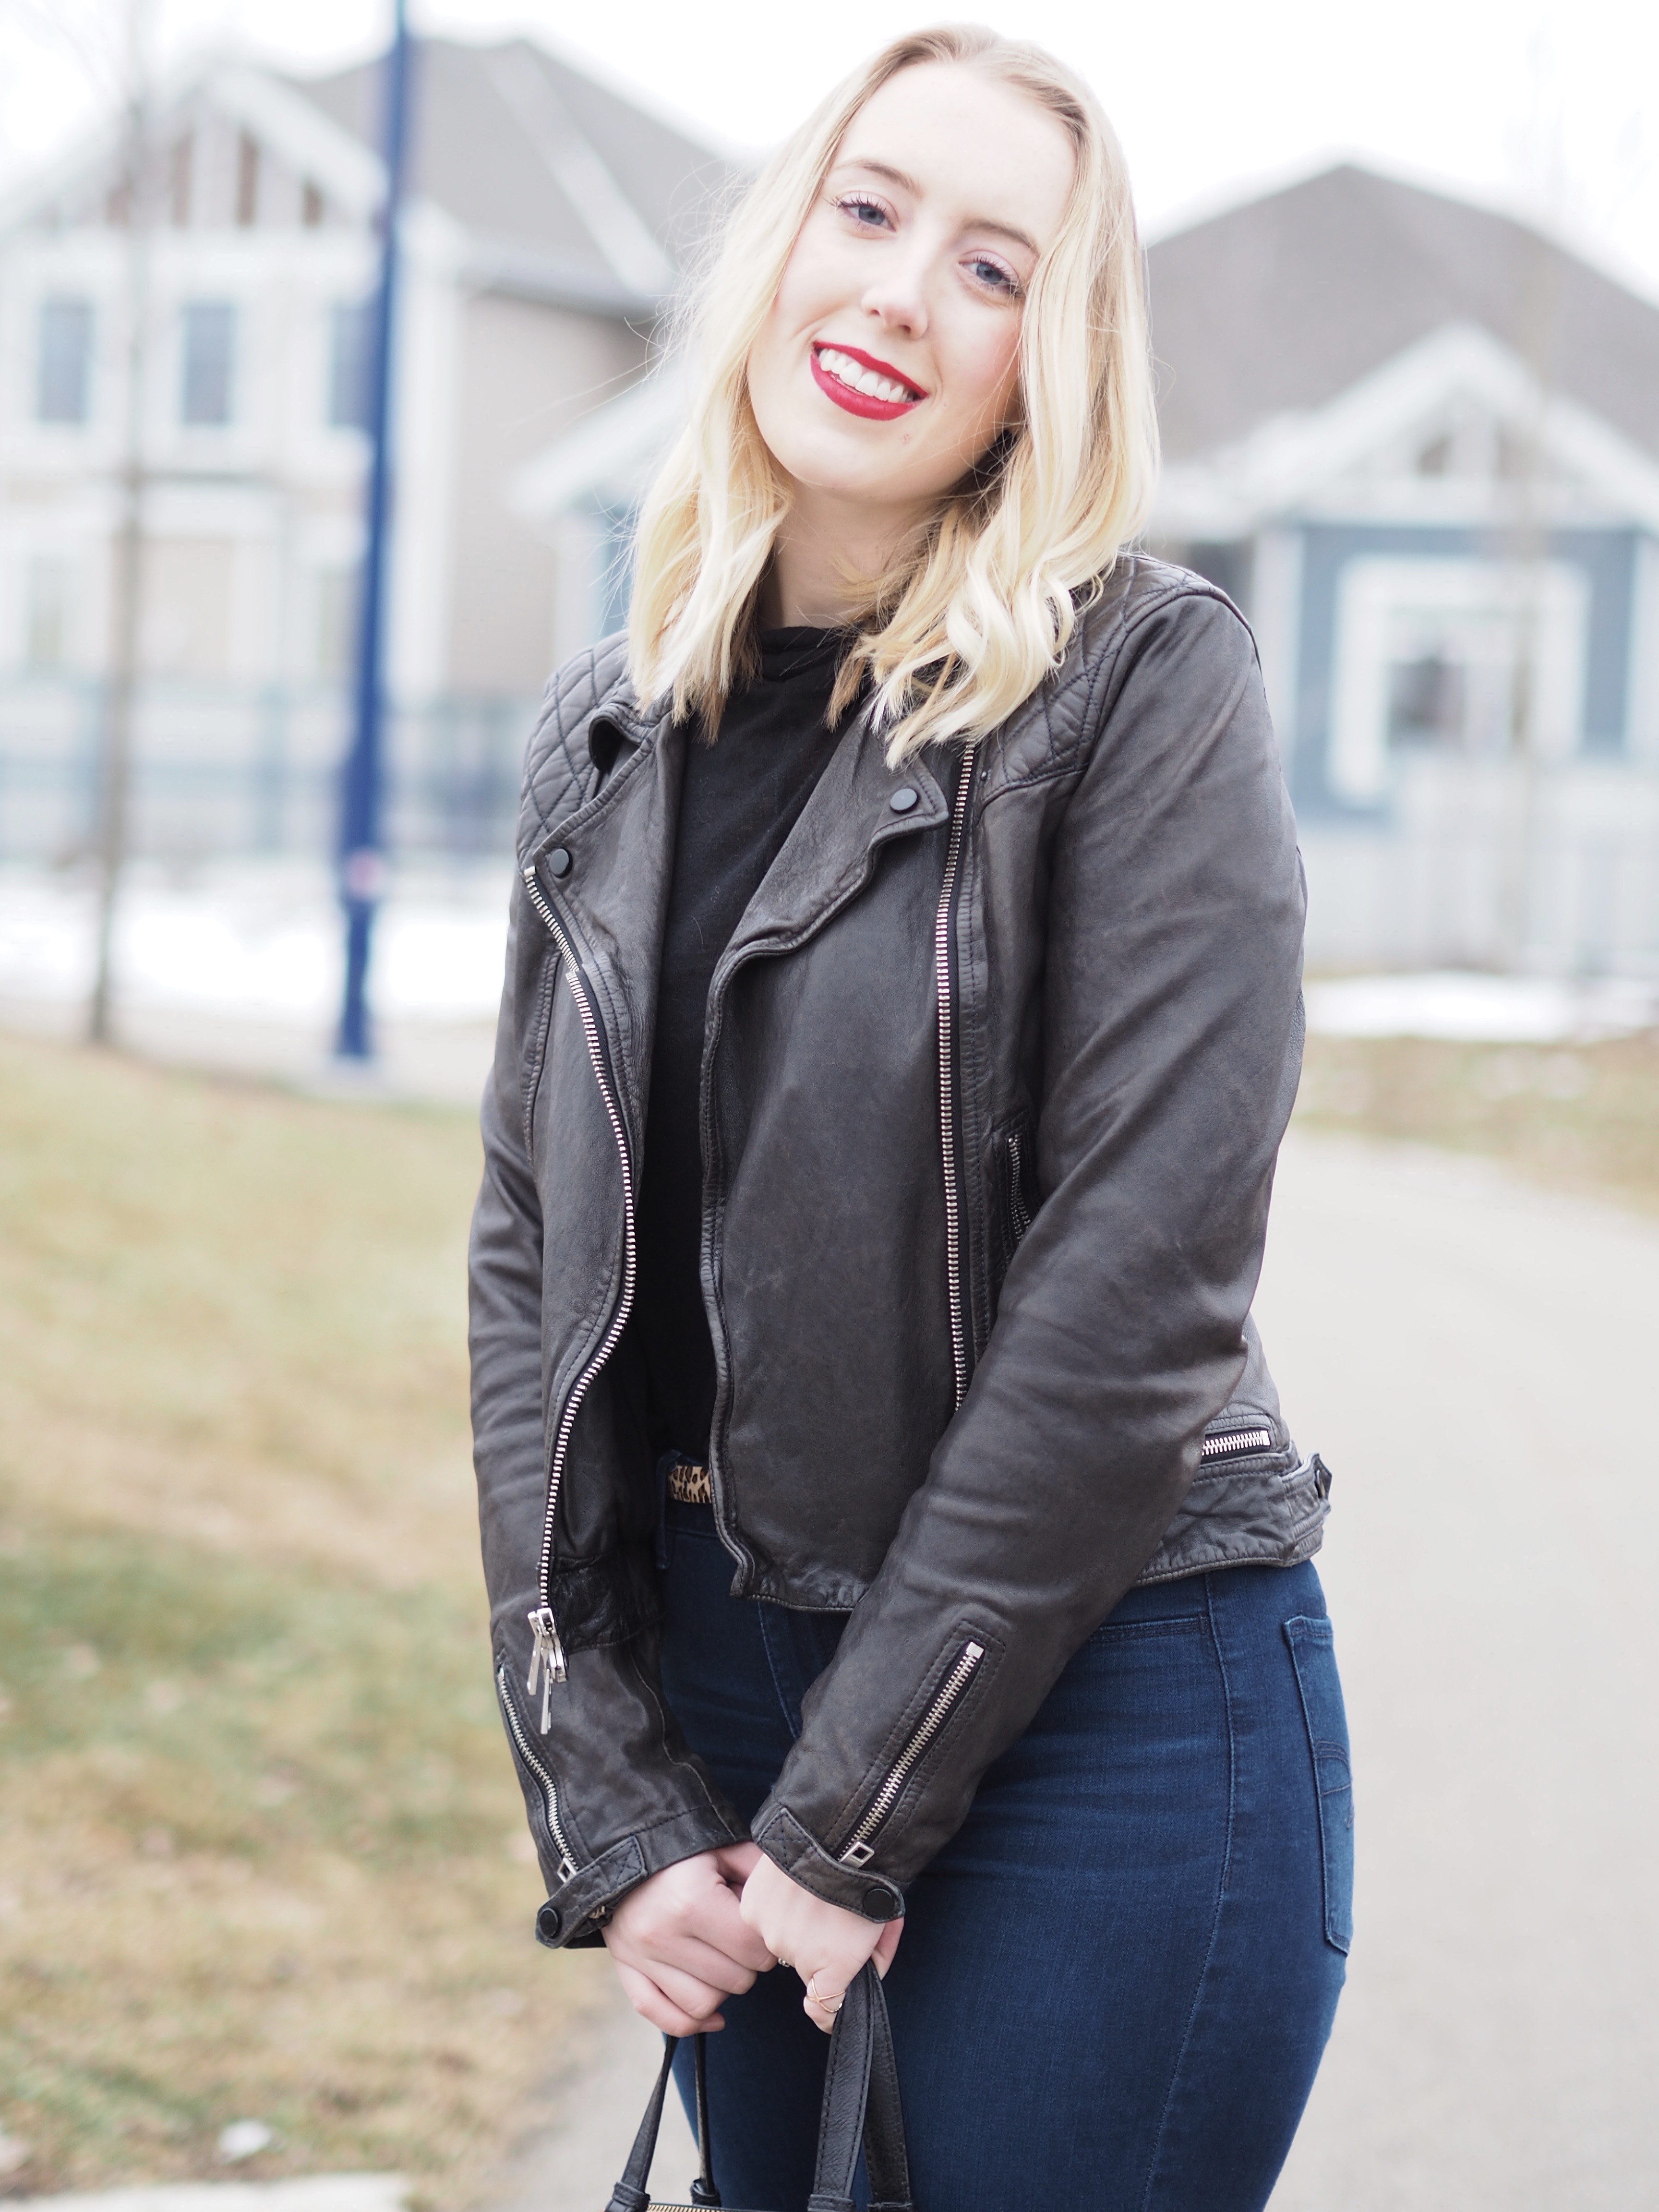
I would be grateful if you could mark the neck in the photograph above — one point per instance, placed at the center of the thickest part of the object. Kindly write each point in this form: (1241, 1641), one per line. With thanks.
(827, 554)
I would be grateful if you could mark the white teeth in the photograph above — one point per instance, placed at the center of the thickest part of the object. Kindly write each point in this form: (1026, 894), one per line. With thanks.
(846, 370)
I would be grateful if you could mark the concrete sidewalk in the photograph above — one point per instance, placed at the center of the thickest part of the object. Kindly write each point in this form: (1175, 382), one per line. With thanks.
(1475, 1358)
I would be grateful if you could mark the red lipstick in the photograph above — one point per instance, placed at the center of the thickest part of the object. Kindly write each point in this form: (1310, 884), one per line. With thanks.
(849, 397)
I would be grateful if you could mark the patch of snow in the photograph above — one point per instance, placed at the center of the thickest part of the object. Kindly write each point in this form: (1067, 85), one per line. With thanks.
(244, 2139)
(1463, 1006)
(259, 946)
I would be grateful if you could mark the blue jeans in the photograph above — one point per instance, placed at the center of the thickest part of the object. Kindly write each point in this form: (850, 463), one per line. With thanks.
(1116, 1980)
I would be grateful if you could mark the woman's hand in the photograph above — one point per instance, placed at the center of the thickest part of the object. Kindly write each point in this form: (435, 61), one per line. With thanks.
(825, 1946)
(680, 1944)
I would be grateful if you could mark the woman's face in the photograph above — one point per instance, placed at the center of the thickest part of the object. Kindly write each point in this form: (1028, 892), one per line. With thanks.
(889, 361)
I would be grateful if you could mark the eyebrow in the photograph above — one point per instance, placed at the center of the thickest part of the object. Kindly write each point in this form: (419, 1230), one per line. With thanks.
(909, 183)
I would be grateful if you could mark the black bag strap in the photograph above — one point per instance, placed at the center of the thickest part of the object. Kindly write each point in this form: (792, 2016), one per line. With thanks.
(630, 2194)
(703, 2190)
(884, 2154)
(861, 2105)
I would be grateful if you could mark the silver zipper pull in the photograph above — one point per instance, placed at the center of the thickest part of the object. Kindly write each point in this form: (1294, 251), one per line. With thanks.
(547, 1664)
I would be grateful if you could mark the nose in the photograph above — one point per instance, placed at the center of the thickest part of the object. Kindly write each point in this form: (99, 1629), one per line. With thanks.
(898, 298)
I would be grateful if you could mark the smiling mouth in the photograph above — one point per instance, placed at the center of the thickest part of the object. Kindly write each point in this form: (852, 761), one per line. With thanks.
(861, 385)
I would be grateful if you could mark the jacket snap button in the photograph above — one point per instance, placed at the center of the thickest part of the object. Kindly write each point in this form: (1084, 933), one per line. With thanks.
(878, 1904)
(549, 1922)
(558, 862)
(904, 799)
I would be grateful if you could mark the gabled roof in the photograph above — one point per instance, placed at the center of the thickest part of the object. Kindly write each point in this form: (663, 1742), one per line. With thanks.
(1279, 305)
(1324, 460)
(538, 161)
(69, 190)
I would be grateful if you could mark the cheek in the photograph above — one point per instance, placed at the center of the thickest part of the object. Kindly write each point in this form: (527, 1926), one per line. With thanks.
(981, 362)
(799, 302)
(999, 371)
(815, 278)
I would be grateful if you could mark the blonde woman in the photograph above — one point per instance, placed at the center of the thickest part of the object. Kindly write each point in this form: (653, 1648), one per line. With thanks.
(894, 1543)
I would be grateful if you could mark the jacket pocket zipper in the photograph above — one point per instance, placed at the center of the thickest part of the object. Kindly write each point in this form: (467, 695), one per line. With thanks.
(859, 1849)
(1019, 1212)
(943, 983)
(547, 1656)
(550, 1788)
(1233, 1443)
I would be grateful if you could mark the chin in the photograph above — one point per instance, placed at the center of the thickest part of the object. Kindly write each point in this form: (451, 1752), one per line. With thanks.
(825, 463)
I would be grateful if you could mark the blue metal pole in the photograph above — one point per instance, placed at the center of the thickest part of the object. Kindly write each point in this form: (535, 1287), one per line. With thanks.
(362, 864)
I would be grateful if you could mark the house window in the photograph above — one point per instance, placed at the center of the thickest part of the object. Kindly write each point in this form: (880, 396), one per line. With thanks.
(247, 181)
(207, 385)
(47, 618)
(1453, 657)
(334, 639)
(1428, 700)
(64, 391)
(352, 345)
(179, 182)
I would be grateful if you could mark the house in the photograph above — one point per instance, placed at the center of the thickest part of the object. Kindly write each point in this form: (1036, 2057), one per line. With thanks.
(546, 223)
(1418, 442)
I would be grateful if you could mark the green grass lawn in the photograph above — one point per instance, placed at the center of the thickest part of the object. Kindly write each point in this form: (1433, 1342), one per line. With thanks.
(261, 1853)
(1586, 1118)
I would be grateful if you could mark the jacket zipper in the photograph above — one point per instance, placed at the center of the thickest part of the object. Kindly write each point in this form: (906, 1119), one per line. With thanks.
(1233, 1442)
(947, 1103)
(547, 1657)
(1021, 1219)
(858, 1848)
(550, 1789)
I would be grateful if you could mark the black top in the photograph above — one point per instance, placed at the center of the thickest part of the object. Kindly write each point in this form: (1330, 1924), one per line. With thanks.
(740, 798)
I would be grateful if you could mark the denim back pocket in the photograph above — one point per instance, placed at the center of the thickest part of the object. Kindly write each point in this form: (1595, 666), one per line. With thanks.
(1314, 1656)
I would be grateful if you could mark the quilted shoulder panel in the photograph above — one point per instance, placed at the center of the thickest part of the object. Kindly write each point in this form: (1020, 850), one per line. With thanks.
(557, 769)
(1058, 724)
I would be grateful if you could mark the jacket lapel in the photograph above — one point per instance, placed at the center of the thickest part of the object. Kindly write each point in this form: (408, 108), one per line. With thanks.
(832, 848)
(612, 897)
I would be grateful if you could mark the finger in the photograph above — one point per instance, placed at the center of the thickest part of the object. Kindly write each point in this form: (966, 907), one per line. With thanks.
(649, 2001)
(694, 1996)
(724, 1926)
(711, 1916)
(886, 1944)
(689, 1955)
(737, 1862)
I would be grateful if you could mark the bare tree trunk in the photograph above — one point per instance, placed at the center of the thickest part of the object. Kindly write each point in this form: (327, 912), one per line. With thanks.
(115, 766)
(1528, 551)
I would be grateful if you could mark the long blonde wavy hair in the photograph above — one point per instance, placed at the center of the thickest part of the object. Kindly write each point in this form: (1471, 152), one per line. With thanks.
(980, 606)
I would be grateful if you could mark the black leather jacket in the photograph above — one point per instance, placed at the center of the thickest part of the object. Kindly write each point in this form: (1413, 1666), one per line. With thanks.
(997, 1065)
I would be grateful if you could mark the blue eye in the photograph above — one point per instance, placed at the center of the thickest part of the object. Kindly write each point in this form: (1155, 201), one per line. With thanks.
(869, 214)
(994, 274)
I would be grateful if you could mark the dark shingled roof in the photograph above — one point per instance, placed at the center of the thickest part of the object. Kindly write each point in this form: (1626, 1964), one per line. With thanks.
(474, 153)
(1282, 304)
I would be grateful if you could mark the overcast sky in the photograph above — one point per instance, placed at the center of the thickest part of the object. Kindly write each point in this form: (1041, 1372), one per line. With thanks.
(1547, 104)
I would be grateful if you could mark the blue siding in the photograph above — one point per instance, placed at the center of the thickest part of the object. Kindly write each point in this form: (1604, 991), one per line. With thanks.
(1608, 557)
